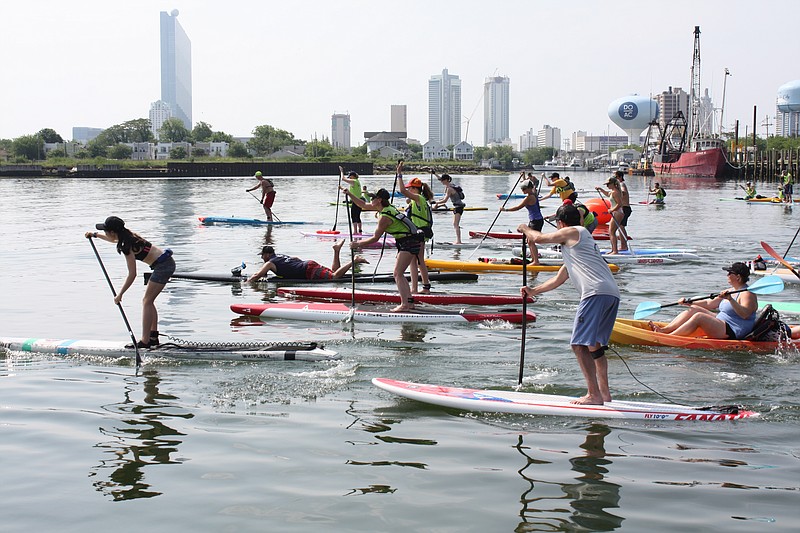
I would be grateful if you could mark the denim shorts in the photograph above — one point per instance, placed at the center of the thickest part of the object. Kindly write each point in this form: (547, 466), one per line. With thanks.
(162, 269)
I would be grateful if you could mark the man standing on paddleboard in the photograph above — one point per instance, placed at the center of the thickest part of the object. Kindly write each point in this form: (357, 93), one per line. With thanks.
(599, 297)
(267, 193)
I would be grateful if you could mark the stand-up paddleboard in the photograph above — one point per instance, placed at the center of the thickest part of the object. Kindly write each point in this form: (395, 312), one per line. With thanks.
(360, 278)
(784, 273)
(394, 297)
(673, 253)
(496, 401)
(617, 259)
(317, 311)
(597, 235)
(356, 236)
(273, 351)
(480, 266)
(450, 209)
(210, 221)
(781, 307)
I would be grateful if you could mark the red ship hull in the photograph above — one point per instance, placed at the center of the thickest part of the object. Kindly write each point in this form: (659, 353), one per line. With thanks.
(709, 163)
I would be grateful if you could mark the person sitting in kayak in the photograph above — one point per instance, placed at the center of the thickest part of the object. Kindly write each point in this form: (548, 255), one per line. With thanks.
(407, 238)
(736, 316)
(749, 191)
(295, 268)
(535, 218)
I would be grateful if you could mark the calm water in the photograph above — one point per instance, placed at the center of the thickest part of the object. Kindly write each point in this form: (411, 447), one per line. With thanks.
(92, 444)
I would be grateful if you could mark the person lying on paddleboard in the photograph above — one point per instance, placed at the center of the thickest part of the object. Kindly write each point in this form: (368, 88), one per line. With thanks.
(137, 248)
(736, 316)
(267, 193)
(419, 211)
(407, 238)
(535, 218)
(295, 268)
(599, 297)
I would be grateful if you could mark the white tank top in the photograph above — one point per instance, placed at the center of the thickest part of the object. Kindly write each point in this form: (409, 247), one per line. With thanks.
(586, 267)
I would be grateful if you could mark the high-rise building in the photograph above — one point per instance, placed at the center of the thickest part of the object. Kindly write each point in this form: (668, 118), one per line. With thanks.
(83, 134)
(495, 110)
(528, 140)
(670, 102)
(160, 111)
(176, 68)
(399, 120)
(340, 131)
(444, 109)
(549, 136)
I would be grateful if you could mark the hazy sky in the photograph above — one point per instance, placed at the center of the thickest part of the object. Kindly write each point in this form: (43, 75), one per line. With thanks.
(293, 64)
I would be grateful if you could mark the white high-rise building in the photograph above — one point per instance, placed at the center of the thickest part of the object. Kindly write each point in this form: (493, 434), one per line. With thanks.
(340, 131)
(495, 111)
(176, 68)
(670, 102)
(160, 111)
(399, 119)
(528, 140)
(444, 109)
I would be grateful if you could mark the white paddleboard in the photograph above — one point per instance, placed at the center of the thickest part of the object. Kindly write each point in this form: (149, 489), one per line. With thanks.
(497, 401)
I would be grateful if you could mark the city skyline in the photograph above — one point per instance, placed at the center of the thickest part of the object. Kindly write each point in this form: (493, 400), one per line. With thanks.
(567, 65)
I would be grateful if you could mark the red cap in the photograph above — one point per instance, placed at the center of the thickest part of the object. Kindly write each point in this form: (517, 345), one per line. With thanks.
(414, 182)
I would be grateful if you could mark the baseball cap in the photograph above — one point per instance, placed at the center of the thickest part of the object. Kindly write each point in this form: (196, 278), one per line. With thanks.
(259, 174)
(414, 182)
(112, 223)
(554, 175)
(382, 193)
(352, 173)
(612, 181)
(738, 268)
(267, 250)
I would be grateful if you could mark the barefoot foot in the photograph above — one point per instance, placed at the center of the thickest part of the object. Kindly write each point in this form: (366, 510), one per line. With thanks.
(401, 309)
(338, 245)
(587, 400)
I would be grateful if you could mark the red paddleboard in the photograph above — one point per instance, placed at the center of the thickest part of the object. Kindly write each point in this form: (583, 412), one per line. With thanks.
(393, 297)
(318, 311)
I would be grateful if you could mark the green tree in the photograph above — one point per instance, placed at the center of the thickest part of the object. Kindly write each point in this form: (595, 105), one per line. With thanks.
(177, 153)
(319, 149)
(238, 149)
(221, 137)
(198, 152)
(202, 132)
(173, 130)
(415, 148)
(98, 146)
(30, 147)
(360, 150)
(119, 151)
(537, 156)
(267, 139)
(505, 154)
(131, 131)
(49, 135)
(57, 153)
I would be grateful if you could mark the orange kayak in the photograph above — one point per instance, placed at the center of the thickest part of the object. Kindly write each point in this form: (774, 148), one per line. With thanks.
(628, 331)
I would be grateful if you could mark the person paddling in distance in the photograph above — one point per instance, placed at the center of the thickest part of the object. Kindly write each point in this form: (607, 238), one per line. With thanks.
(355, 188)
(136, 248)
(535, 218)
(295, 268)
(749, 191)
(618, 237)
(599, 297)
(452, 194)
(407, 238)
(658, 191)
(419, 211)
(736, 316)
(267, 193)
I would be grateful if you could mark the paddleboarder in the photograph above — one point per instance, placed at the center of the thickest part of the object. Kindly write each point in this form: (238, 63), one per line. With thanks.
(599, 297)
(456, 196)
(136, 248)
(736, 316)
(267, 193)
(355, 188)
(419, 211)
(407, 238)
(617, 236)
(658, 191)
(535, 217)
(295, 268)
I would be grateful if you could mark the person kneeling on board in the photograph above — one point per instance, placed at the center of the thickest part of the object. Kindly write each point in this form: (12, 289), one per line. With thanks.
(407, 238)
(295, 268)
(599, 297)
(736, 316)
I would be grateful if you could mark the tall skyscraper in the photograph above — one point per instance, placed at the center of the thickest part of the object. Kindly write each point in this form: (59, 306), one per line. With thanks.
(176, 68)
(444, 109)
(399, 118)
(495, 110)
(340, 131)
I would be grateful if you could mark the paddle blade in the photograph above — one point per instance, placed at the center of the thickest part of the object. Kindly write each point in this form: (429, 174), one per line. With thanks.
(771, 251)
(646, 309)
(767, 285)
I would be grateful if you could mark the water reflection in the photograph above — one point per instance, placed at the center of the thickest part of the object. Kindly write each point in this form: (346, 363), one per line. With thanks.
(589, 497)
(138, 436)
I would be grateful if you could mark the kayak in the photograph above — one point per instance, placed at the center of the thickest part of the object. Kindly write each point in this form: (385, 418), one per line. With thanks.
(480, 266)
(262, 351)
(317, 311)
(628, 331)
(360, 278)
(784, 273)
(394, 297)
(500, 401)
(210, 221)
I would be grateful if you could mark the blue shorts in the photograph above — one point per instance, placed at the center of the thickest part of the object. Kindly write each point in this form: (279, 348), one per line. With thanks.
(594, 320)
(163, 268)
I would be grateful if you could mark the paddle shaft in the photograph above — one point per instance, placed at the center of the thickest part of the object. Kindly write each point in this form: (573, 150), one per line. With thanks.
(508, 197)
(121, 310)
(352, 259)
(259, 201)
(338, 196)
(524, 308)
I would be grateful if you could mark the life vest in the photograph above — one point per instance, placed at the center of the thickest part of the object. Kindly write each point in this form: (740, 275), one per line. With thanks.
(401, 226)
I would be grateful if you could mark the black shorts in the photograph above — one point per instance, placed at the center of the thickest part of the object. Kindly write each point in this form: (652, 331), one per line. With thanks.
(355, 213)
(729, 332)
(427, 231)
(411, 244)
(458, 209)
(626, 214)
(536, 225)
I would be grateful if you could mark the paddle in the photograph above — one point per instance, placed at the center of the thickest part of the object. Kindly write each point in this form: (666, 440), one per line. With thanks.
(121, 310)
(338, 193)
(524, 307)
(765, 285)
(352, 269)
(508, 197)
(771, 251)
(259, 201)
